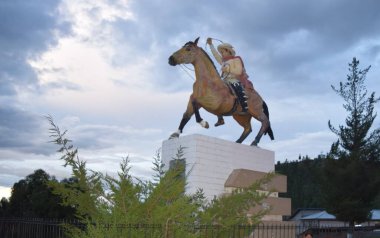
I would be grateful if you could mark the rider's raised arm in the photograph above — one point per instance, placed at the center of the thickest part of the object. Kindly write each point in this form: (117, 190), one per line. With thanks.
(216, 54)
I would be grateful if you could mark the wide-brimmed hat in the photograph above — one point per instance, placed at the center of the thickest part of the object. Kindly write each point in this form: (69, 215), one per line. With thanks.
(227, 47)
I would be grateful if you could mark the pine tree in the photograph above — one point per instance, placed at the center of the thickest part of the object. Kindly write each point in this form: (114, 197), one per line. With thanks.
(351, 180)
(33, 197)
(106, 204)
(355, 138)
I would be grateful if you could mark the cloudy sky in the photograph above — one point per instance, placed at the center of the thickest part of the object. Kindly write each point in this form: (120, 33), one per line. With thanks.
(99, 68)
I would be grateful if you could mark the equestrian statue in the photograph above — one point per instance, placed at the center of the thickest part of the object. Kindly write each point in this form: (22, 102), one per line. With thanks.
(228, 94)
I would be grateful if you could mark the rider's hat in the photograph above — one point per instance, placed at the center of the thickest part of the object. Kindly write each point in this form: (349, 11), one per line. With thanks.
(227, 47)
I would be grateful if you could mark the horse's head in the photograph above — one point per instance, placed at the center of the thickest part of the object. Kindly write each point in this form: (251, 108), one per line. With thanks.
(185, 55)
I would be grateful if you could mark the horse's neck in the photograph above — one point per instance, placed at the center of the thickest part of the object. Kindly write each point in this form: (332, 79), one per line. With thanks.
(205, 69)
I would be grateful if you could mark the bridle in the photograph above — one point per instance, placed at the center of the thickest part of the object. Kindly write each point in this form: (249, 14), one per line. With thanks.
(186, 68)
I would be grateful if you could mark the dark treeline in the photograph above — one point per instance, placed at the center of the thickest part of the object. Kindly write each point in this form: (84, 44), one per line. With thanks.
(306, 179)
(33, 197)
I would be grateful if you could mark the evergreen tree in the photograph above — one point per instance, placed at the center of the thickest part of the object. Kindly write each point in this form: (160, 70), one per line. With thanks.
(4, 207)
(303, 180)
(33, 197)
(351, 176)
(105, 204)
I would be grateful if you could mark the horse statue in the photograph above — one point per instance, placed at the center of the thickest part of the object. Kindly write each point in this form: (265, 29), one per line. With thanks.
(214, 95)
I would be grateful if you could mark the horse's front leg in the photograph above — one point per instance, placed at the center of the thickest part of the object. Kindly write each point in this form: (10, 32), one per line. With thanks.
(198, 117)
(192, 107)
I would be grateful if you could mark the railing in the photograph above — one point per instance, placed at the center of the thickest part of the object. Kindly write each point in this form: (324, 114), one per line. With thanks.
(44, 228)
(33, 228)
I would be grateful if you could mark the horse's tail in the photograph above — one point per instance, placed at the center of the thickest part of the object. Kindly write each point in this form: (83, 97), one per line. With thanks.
(269, 130)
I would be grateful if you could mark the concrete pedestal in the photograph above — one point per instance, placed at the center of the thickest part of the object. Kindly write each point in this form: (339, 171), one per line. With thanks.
(209, 161)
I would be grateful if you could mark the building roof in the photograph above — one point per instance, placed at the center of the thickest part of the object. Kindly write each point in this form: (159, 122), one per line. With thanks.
(302, 212)
(319, 216)
(327, 216)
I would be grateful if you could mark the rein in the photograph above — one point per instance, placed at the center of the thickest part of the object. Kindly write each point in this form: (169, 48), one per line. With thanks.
(183, 66)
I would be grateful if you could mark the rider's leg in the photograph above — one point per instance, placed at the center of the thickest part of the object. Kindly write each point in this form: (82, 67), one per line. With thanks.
(238, 88)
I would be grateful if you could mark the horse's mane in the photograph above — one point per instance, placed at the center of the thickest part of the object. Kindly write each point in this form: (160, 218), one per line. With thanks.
(212, 62)
(204, 52)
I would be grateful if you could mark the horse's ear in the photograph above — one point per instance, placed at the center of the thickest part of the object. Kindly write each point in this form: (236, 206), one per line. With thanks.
(196, 41)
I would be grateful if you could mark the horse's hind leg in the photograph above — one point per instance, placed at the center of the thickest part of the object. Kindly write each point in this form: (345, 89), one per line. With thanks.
(245, 122)
(264, 127)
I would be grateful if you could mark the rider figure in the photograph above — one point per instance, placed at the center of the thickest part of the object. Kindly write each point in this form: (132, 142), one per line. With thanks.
(233, 73)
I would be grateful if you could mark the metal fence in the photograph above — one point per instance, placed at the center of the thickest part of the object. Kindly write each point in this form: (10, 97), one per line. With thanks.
(31, 228)
(43, 228)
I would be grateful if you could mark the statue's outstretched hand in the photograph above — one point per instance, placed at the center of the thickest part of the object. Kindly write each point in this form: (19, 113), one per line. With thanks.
(209, 41)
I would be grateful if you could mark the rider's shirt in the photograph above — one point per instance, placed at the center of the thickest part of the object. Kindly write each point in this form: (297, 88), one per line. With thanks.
(231, 69)
(232, 66)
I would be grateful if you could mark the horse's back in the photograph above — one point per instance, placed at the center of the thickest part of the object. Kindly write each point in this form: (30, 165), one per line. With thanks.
(255, 99)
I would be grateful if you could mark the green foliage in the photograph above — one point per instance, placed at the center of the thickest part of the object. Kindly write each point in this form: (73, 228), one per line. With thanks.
(355, 138)
(105, 203)
(354, 197)
(33, 197)
(351, 178)
(376, 202)
(158, 168)
(309, 180)
(303, 180)
(232, 209)
(85, 192)
(4, 207)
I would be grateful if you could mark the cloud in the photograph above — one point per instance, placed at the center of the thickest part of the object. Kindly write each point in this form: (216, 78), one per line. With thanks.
(26, 29)
(292, 40)
(97, 136)
(5, 192)
(23, 131)
(87, 16)
(311, 144)
(15, 165)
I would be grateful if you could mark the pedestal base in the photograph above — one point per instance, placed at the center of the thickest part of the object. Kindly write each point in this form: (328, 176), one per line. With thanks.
(209, 161)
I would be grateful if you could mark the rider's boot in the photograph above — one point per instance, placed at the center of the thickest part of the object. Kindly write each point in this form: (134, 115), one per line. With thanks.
(242, 97)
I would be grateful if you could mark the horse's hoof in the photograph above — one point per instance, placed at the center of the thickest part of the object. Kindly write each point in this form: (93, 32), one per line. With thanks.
(219, 123)
(174, 135)
(204, 124)
(254, 143)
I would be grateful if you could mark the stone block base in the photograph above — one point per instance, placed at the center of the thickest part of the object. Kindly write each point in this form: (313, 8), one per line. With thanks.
(209, 161)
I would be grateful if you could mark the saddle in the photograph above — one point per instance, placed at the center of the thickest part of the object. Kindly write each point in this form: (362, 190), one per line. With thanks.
(236, 101)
